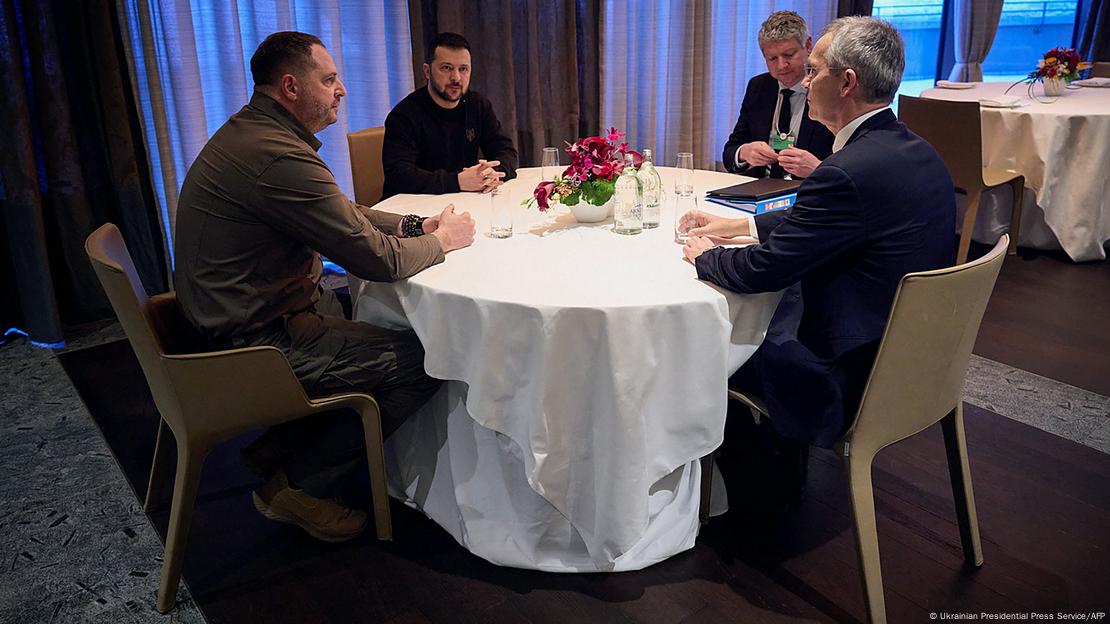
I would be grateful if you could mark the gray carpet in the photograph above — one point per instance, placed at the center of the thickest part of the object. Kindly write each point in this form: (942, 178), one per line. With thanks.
(75, 544)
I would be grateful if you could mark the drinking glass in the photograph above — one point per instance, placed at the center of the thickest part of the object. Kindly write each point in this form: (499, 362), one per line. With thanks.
(682, 205)
(684, 180)
(550, 163)
(500, 214)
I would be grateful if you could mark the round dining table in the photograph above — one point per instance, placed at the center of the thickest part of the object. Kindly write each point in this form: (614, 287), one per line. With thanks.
(1062, 147)
(586, 374)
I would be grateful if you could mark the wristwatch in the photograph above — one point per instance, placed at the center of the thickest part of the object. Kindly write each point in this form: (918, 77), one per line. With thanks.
(412, 225)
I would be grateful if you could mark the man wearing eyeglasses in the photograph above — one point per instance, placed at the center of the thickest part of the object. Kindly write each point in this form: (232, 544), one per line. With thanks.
(774, 111)
(880, 206)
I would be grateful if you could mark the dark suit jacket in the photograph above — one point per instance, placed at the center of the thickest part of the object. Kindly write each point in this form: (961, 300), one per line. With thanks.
(754, 124)
(881, 207)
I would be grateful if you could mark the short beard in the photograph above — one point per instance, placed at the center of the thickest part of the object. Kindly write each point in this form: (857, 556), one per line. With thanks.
(445, 96)
(316, 116)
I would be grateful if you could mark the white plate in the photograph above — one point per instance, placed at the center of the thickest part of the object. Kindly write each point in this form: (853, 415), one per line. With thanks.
(1092, 82)
(1002, 101)
(946, 84)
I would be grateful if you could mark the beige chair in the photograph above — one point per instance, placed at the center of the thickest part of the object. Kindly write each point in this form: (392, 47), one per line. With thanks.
(207, 398)
(369, 178)
(917, 380)
(366, 164)
(1100, 69)
(955, 130)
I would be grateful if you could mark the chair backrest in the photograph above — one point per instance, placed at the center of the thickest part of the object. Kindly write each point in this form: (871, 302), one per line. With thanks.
(1101, 69)
(954, 129)
(113, 265)
(366, 164)
(211, 395)
(918, 375)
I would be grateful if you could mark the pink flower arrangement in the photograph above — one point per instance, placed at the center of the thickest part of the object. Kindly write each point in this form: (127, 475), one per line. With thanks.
(595, 164)
(1060, 63)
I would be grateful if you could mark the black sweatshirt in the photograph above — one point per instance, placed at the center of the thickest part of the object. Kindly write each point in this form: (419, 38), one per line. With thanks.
(426, 145)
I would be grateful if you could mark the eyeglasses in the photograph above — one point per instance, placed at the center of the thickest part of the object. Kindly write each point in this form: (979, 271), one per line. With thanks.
(811, 70)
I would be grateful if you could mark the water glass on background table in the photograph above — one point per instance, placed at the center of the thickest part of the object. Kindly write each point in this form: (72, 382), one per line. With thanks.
(684, 177)
(550, 163)
(682, 205)
(500, 214)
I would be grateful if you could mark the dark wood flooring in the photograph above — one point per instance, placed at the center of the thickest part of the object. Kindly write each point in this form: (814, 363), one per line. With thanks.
(1051, 316)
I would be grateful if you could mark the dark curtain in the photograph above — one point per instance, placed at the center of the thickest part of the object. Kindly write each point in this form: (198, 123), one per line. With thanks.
(74, 159)
(1094, 43)
(536, 61)
(846, 8)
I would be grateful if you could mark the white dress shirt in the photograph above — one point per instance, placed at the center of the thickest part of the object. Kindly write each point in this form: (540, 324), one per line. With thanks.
(797, 110)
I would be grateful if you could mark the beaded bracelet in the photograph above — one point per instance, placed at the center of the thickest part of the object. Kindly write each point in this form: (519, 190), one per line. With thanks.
(412, 225)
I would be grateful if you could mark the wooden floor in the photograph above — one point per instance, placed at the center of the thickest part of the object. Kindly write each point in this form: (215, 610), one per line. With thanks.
(1051, 316)
(1043, 504)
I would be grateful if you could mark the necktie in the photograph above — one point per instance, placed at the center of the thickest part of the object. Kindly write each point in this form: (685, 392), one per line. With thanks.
(784, 112)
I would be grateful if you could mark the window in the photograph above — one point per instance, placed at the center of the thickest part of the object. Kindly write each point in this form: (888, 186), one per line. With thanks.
(919, 21)
(1026, 30)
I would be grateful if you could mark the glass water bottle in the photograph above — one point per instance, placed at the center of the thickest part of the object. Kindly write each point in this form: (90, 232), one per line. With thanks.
(628, 201)
(652, 186)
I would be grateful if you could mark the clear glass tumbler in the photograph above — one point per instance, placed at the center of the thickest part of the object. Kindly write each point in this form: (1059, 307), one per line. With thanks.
(682, 205)
(500, 214)
(684, 178)
(550, 163)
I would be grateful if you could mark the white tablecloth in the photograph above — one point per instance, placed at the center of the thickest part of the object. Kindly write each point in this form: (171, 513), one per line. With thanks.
(588, 374)
(1063, 149)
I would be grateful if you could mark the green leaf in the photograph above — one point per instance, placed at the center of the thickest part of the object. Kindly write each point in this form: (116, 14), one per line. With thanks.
(571, 199)
(597, 192)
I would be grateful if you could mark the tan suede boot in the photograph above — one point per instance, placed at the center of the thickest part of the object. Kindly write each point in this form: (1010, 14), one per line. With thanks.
(325, 520)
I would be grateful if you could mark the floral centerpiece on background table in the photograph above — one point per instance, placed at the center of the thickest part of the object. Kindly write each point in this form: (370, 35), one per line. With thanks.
(1058, 67)
(595, 164)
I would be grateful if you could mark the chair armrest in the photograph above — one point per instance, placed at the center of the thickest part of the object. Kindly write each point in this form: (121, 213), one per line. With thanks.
(237, 389)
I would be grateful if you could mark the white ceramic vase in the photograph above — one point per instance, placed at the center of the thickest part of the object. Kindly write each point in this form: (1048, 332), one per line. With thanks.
(1053, 87)
(585, 212)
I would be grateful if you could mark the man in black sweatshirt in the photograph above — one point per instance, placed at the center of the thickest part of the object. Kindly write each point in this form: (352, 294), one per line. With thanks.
(432, 137)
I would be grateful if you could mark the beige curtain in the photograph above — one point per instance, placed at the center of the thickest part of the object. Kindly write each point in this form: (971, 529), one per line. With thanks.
(976, 25)
(673, 72)
(526, 58)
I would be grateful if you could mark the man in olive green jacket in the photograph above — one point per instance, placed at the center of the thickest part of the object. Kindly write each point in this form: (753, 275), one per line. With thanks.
(257, 209)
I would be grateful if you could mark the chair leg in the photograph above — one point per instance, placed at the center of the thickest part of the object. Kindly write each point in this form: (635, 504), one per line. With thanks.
(162, 442)
(190, 462)
(706, 488)
(863, 515)
(375, 458)
(968, 225)
(1018, 186)
(955, 444)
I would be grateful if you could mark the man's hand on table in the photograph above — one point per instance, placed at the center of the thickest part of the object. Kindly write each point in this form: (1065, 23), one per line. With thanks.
(719, 229)
(454, 231)
(696, 246)
(708, 230)
(431, 224)
(798, 162)
(481, 177)
(758, 154)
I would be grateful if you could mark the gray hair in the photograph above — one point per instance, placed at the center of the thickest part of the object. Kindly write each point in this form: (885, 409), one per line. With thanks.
(782, 26)
(871, 47)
